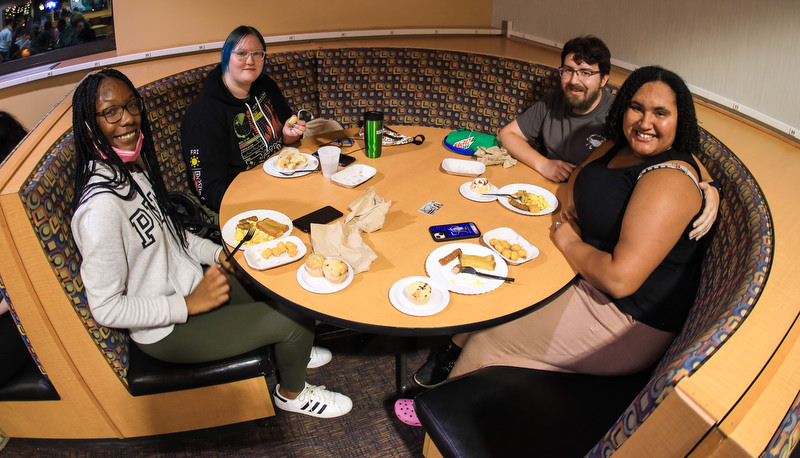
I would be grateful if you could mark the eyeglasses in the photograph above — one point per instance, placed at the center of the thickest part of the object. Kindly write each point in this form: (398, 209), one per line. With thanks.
(242, 55)
(114, 114)
(567, 72)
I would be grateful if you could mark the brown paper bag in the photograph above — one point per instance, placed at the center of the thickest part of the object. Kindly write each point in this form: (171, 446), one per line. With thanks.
(368, 212)
(342, 241)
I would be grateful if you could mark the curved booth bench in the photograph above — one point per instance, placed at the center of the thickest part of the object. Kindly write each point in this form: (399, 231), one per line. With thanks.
(448, 89)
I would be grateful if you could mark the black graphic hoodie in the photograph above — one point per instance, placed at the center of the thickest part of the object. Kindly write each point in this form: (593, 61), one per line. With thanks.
(222, 135)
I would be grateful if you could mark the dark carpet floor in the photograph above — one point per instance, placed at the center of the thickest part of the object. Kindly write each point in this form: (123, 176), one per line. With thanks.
(363, 367)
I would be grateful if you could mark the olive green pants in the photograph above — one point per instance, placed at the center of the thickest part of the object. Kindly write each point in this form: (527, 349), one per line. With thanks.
(241, 325)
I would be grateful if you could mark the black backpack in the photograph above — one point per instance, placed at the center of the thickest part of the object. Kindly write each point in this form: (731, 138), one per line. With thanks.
(195, 216)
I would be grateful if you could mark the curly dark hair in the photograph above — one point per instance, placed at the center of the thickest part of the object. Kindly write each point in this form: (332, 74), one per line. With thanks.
(91, 149)
(687, 135)
(589, 49)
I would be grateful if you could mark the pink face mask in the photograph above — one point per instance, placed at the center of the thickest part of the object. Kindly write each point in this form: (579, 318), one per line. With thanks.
(128, 155)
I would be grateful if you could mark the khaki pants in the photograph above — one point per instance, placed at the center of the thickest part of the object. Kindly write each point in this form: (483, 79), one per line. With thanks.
(580, 331)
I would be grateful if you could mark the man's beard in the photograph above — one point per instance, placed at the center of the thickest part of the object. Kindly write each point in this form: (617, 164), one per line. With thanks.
(582, 105)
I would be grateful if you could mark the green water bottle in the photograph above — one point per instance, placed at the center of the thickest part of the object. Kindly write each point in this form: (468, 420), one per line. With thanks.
(373, 133)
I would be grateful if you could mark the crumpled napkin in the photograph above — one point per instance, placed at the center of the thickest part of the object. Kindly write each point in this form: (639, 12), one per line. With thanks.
(368, 212)
(343, 239)
(495, 155)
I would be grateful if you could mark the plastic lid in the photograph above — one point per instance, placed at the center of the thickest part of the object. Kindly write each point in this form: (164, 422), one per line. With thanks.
(373, 116)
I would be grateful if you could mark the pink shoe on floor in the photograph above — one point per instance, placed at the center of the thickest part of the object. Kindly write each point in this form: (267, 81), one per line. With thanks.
(404, 409)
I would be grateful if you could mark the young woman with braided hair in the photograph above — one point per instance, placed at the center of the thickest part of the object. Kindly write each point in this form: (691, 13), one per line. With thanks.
(143, 272)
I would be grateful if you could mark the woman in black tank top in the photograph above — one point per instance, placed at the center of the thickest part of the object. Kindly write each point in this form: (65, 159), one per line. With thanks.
(628, 230)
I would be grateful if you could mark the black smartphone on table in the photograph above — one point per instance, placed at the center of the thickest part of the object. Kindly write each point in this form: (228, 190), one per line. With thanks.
(323, 215)
(448, 232)
(344, 160)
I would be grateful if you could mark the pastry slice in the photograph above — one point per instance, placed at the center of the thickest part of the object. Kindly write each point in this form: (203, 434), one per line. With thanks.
(478, 262)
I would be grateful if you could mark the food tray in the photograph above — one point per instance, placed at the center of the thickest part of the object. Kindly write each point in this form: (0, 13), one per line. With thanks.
(254, 259)
(505, 233)
(462, 167)
(356, 174)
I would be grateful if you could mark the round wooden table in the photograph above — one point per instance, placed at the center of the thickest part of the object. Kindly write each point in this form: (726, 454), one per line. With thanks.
(410, 176)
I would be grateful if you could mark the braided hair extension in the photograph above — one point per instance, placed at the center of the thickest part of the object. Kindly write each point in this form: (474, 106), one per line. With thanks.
(687, 135)
(88, 149)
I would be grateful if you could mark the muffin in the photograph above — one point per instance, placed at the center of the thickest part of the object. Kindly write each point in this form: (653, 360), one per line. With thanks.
(335, 270)
(314, 264)
(418, 292)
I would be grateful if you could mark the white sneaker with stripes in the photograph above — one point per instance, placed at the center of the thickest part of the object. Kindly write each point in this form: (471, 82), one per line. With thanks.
(319, 357)
(315, 401)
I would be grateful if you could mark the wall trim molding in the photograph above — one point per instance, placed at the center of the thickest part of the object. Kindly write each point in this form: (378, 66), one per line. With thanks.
(781, 128)
(48, 71)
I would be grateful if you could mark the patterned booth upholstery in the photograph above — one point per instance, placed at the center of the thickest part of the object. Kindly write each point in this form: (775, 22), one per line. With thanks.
(448, 89)
(735, 270)
(787, 436)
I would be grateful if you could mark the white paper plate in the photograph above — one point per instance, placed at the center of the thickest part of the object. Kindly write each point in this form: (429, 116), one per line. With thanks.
(272, 170)
(466, 191)
(229, 229)
(506, 233)
(320, 285)
(463, 167)
(439, 299)
(254, 259)
(464, 283)
(512, 188)
(354, 175)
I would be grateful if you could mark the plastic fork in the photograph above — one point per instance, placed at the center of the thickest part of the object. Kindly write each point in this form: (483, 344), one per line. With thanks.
(249, 235)
(288, 174)
(472, 271)
(502, 195)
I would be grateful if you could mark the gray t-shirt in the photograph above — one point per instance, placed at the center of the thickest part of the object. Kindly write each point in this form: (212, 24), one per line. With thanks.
(554, 130)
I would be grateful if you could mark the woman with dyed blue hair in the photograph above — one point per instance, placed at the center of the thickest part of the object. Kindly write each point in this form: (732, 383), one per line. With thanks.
(238, 120)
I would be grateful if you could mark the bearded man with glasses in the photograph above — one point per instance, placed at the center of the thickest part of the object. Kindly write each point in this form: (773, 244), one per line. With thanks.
(557, 133)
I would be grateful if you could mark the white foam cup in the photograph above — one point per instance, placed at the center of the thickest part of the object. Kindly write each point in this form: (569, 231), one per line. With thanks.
(329, 160)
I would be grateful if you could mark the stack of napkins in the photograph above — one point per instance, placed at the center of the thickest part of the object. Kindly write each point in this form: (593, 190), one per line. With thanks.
(495, 155)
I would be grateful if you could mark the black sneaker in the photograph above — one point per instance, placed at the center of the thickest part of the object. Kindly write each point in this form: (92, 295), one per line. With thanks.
(435, 371)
